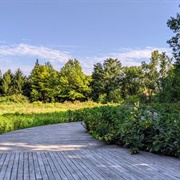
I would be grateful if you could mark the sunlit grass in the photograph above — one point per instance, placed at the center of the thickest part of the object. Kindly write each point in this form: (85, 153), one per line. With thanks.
(15, 116)
(38, 107)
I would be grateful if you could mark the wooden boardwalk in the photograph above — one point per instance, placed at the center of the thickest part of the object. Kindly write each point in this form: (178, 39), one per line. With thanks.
(66, 151)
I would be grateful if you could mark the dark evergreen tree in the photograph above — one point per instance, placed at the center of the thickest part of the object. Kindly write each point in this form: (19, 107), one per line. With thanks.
(27, 87)
(97, 83)
(7, 83)
(18, 82)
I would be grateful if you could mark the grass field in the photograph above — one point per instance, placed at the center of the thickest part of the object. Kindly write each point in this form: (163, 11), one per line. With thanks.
(15, 116)
(39, 107)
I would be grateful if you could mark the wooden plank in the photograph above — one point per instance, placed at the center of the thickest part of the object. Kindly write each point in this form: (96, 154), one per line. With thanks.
(68, 167)
(4, 166)
(163, 163)
(60, 168)
(42, 167)
(3, 157)
(123, 166)
(36, 166)
(99, 165)
(54, 170)
(74, 165)
(26, 173)
(15, 167)
(9, 168)
(89, 171)
(47, 167)
(31, 167)
(135, 165)
(79, 157)
(145, 167)
(20, 174)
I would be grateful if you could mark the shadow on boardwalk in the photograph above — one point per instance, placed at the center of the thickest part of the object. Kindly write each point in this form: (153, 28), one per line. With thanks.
(66, 151)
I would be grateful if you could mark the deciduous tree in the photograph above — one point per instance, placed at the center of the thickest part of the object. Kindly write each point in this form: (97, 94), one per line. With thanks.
(106, 79)
(174, 42)
(43, 82)
(74, 83)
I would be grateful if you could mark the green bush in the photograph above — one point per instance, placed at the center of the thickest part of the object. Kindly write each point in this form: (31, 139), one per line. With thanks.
(115, 96)
(137, 128)
(131, 100)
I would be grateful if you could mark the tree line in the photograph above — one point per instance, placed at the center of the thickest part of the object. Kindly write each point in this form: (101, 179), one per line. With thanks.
(158, 80)
(109, 82)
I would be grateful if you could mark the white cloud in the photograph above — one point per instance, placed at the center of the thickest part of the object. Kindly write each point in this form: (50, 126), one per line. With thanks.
(37, 51)
(11, 56)
(128, 57)
(138, 53)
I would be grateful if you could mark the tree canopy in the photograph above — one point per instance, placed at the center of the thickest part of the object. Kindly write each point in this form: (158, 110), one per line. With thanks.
(158, 80)
(174, 42)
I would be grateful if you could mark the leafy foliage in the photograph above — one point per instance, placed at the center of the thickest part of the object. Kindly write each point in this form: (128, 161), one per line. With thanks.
(174, 42)
(43, 82)
(105, 80)
(131, 83)
(74, 83)
(136, 128)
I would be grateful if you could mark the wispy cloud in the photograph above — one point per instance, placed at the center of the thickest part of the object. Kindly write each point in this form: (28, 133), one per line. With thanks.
(11, 57)
(138, 53)
(35, 51)
(128, 57)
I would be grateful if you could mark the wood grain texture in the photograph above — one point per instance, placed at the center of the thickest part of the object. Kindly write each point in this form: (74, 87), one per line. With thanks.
(67, 152)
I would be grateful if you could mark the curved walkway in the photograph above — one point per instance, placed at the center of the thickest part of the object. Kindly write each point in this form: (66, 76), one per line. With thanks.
(66, 151)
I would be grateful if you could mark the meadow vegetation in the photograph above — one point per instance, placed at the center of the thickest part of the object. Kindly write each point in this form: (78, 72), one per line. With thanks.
(15, 116)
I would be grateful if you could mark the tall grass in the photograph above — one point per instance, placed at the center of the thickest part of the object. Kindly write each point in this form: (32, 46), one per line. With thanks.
(15, 116)
(39, 107)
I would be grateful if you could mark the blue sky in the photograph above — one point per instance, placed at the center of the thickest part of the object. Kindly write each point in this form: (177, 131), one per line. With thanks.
(88, 30)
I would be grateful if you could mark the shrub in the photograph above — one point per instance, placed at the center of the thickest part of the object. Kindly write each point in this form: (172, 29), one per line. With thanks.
(135, 128)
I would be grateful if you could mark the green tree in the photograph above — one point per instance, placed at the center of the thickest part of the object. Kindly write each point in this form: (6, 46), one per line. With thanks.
(151, 75)
(27, 87)
(97, 83)
(165, 69)
(174, 42)
(74, 84)
(165, 78)
(106, 79)
(43, 82)
(7, 80)
(131, 81)
(18, 82)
